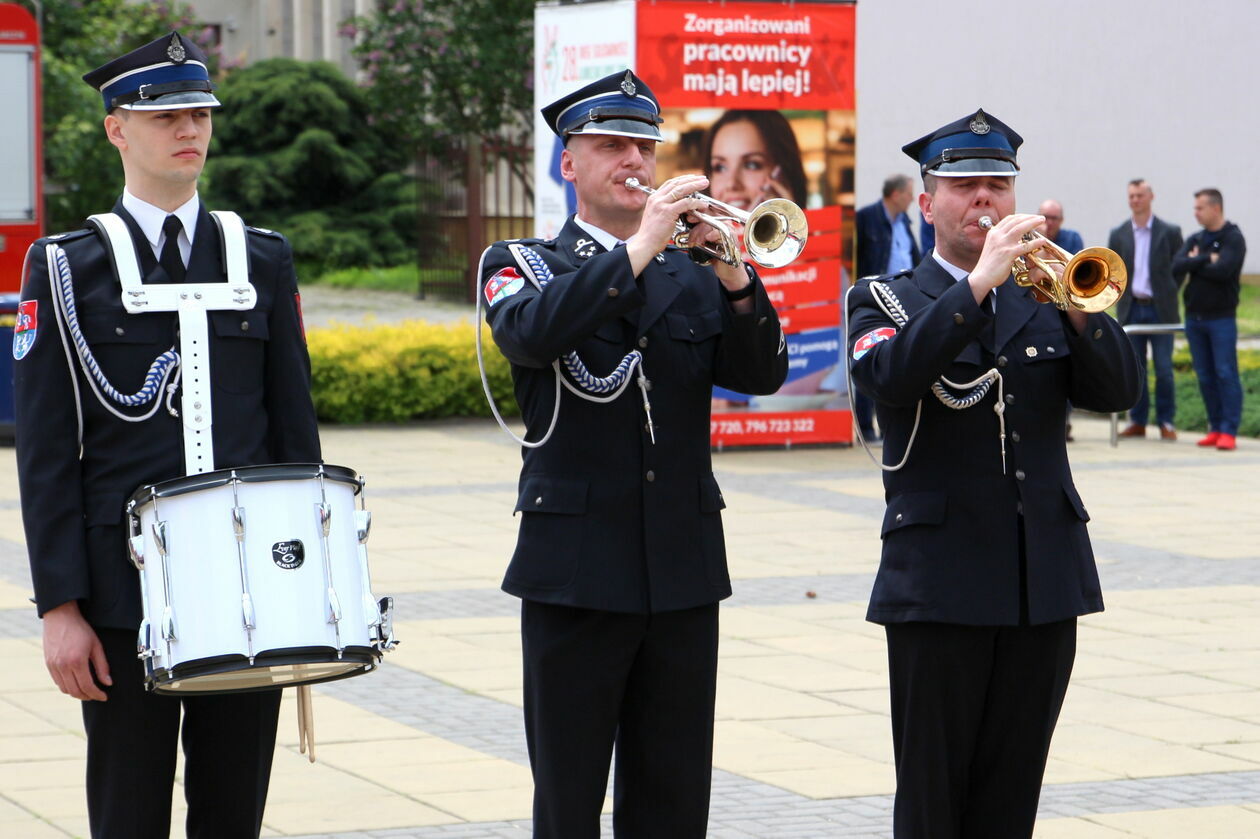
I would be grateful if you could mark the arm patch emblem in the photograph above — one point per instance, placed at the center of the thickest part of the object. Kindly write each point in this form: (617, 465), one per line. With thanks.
(870, 339)
(503, 284)
(24, 328)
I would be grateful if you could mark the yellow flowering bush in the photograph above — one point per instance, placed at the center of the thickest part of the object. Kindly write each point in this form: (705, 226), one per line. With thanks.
(410, 370)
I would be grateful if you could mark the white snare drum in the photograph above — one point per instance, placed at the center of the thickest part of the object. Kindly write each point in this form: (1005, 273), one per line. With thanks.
(255, 578)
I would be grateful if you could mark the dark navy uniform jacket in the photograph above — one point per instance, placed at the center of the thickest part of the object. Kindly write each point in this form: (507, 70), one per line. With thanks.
(608, 520)
(72, 505)
(951, 532)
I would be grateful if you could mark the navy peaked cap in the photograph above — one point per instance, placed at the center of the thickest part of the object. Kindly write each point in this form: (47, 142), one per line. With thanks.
(619, 104)
(162, 75)
(980, 144)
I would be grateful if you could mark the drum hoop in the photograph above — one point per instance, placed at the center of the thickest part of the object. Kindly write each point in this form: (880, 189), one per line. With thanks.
(245, 474)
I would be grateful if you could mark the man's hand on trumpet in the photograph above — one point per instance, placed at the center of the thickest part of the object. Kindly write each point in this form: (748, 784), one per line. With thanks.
(1002, 245)
(660, 217)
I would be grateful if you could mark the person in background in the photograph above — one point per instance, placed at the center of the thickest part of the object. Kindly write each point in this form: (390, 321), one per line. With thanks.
(1054, 230)
(1213, 260)
(1148, 245)
(885, 245)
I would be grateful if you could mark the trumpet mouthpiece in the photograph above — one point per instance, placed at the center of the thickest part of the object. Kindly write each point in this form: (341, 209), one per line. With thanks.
(985, 222)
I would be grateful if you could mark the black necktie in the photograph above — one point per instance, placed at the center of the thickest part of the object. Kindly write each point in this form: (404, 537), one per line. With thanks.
(170, 259)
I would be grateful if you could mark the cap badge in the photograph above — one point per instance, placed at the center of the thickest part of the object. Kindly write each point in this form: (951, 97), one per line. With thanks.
(978, 124)
(627, 85)
(175, 50)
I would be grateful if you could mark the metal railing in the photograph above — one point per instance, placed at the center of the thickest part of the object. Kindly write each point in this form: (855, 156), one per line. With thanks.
(1142, 329)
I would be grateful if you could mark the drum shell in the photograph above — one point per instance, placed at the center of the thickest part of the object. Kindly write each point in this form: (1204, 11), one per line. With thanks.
(289, 595)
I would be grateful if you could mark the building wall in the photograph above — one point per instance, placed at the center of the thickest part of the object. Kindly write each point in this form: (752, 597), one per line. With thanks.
(1102, 92)
(252, 30)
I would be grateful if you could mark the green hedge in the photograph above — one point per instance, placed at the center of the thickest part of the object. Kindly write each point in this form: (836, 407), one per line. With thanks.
(398, 372)
(416, 370)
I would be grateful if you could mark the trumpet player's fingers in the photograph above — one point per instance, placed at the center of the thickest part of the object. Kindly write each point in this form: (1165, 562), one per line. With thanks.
(1003, 244)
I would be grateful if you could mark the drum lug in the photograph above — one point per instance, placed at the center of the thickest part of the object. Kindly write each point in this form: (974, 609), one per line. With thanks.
(385, 637)
(159, 536)
(247, 610)
(363, 525)
(334, 606)
(135, 550)
(238, 523)
(324, 511)
(168, 625)
(143, 650)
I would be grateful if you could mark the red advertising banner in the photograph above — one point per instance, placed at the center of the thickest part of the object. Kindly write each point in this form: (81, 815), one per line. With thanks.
(747, 55)
(758, 97)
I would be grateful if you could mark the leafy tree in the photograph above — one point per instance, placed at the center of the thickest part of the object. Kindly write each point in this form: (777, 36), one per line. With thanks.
(82, 172)
(444, 70)
(295, 149)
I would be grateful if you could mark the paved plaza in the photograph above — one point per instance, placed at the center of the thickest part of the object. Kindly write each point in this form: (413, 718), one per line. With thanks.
(1160, 734)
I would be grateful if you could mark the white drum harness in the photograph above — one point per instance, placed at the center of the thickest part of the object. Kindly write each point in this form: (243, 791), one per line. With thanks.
(189, 367)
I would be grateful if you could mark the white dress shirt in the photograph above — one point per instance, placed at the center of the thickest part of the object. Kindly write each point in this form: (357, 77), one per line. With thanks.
(151, 219)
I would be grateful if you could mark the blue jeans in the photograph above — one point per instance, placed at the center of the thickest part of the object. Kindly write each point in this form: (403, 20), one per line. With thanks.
(1161, 354)
(1214, 350)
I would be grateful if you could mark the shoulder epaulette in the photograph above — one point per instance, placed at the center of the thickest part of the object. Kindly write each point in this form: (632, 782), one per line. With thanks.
(69, 235)
(264, 231)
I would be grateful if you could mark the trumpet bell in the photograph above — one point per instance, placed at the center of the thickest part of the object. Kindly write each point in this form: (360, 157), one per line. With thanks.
(775, 233)
(1095, 279)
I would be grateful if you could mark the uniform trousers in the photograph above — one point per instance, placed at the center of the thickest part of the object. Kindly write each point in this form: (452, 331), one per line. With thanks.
(644, 682)
(973, 711)
(132, 740)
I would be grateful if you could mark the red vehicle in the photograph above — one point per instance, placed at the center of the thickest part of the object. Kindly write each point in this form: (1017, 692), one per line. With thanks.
(22, 175)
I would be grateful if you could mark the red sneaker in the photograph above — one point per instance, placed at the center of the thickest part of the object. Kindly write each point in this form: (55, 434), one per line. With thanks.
(1210, 440)
(1226, 443)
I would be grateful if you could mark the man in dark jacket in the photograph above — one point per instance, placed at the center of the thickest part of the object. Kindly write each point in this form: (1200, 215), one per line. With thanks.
(1213, 259)
(885, 245)
(1148, 244)
(620, 560)
(158, 100)
(986, 559)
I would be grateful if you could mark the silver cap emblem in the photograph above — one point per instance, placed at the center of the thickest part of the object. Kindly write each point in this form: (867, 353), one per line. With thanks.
(978, 124)
(627, 85)
(175, 50)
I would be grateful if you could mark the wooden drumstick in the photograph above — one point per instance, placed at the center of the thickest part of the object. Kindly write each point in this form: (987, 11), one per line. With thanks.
(306, 722)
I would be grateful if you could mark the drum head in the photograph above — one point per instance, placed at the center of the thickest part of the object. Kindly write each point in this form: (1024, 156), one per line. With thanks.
(270, 670)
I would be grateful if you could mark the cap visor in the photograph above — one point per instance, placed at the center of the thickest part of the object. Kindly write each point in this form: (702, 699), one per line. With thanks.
(972, 166)
(175, 101)
(620, 128)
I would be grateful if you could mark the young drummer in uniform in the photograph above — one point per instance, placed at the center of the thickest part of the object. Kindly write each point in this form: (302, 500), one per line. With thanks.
(158, 101)
(620, 561)
(986, 559)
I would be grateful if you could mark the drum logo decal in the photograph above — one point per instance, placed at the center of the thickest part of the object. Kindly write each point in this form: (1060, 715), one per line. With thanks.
(289, 554)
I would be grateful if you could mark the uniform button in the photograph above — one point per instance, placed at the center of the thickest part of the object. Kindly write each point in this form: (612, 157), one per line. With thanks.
(1019, 507)
(1049, 349)
(1097, 334)
(612, 292)
(1010, 399)
(1019, 474)
(643, 342)
(899, 517)
(958, 318)
(651, 476)
(762, 321)
(1001, 361)
(538, 501)
(1015, 436)
(244, 326)
(118, 330)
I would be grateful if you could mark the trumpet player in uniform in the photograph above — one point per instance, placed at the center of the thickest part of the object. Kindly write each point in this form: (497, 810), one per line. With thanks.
(620, 561)
(986, 560)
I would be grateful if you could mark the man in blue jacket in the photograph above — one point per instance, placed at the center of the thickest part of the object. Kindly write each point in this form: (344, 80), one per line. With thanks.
(885, 245)
(620, 560)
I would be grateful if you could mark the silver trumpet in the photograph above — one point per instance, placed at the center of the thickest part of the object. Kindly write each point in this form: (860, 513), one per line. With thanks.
(774, 231)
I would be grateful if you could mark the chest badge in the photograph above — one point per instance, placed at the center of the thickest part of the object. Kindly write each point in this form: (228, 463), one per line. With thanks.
(1031, 352)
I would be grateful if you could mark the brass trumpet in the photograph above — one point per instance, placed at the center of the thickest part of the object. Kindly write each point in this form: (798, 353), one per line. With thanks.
(1092, 279)
(774, 231)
